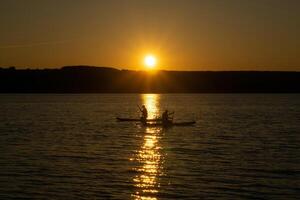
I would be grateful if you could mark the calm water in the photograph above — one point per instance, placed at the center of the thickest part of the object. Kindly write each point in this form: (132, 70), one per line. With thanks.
(71, 147)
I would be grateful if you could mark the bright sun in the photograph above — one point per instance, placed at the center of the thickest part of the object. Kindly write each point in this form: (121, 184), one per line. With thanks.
(150, 61)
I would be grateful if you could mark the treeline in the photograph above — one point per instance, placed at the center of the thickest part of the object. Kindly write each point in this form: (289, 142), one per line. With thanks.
(85, 79)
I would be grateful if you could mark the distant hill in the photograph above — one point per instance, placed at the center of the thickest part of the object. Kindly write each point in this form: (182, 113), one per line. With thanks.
(89, 79)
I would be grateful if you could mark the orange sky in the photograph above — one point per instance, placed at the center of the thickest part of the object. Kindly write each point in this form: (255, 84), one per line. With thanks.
(184, 35)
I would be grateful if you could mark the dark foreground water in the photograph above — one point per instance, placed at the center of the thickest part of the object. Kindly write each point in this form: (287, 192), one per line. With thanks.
(244, 146)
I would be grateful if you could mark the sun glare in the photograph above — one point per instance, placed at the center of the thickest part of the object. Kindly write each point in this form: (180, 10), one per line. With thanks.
(150, 61)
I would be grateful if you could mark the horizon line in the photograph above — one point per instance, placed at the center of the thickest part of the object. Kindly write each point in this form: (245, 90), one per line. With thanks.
(137, 70)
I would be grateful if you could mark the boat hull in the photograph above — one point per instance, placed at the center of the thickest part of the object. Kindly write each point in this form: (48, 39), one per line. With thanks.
(136, 119)
(189, 123)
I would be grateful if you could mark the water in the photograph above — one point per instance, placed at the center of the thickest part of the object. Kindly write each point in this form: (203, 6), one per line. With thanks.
(244, 146)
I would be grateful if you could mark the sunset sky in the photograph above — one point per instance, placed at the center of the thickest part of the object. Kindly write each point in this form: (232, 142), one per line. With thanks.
(182, 34)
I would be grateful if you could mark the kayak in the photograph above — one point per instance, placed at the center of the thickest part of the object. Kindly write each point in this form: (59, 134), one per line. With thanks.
(155, 124)
(136, 119)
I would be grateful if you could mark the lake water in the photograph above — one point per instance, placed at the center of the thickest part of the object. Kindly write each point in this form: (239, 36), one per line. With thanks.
(243, 146)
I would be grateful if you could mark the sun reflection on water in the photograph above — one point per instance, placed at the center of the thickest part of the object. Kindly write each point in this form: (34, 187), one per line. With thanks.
(149, 156)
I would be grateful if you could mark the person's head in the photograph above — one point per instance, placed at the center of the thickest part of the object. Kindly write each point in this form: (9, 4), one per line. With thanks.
(166, 111)
(143, 106)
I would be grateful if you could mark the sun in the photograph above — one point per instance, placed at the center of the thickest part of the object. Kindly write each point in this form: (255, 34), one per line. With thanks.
(150, 61)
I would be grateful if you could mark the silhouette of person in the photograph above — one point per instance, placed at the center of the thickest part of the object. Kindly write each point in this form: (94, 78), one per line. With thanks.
(165, 117)
(144, 114)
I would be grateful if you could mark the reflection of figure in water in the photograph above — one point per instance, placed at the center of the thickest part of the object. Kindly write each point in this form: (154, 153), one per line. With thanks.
(166, 119)
(144, 114)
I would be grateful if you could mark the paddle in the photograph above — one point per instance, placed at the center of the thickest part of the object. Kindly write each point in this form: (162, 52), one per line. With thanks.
(172, 113)
(172, 117)
(139, 108)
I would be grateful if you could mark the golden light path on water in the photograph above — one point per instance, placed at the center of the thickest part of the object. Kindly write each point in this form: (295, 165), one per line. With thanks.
(149, 156)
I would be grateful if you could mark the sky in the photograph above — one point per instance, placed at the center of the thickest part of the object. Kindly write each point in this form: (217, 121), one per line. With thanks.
(182, 34)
